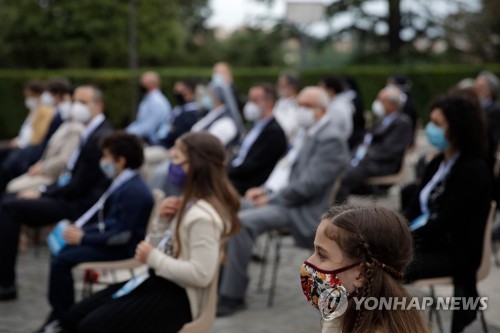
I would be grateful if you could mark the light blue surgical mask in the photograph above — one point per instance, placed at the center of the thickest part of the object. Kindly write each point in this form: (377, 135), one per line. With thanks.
(436, 136)
(109, 169)
(206, 102)
(217, 79)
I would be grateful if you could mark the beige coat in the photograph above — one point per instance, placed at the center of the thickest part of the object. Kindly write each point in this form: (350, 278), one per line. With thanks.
(40, 123)
(55, 157)
(200, 238)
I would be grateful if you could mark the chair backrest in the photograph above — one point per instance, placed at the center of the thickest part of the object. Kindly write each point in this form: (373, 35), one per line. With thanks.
(207, 316)
(158, 196)
(485, 266)
(396, 178)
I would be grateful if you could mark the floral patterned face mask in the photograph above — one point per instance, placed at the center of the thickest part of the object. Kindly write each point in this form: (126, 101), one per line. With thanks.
(324, 290)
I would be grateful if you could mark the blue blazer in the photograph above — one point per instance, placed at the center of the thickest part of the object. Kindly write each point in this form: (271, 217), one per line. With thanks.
(126, 215)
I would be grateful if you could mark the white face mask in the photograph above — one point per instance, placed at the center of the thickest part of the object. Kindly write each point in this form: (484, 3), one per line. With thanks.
(80, 112)
(47, 99)
(305, 117)
(31, 102)
(252, 111)
(378, 108)
(64, 110)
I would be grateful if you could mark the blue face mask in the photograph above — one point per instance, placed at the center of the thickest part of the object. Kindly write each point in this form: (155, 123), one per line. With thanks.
(176, 175)
(207, 103)
(436, 136)
(108, 169)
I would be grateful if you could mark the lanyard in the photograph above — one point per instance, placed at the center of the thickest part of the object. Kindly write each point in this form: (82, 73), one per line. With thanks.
(98, 207)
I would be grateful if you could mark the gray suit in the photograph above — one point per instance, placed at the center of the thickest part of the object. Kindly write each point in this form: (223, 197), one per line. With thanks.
(384, 156)
(299, 206)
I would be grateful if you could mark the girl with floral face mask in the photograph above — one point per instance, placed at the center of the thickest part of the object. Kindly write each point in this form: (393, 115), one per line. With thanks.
(360, 252)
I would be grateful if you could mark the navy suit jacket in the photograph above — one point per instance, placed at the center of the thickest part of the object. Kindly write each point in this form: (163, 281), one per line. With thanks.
(126, 215)
(182, 123)
(88, 182)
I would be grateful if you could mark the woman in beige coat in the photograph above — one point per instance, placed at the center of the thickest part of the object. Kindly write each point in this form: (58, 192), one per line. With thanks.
(55, 157)
(184, 263)
(359, 259)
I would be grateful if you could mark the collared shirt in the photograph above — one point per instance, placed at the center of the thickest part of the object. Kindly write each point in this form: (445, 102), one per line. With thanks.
(89, 129)
(280, 176)
(285, 112)
(224, 128)
(249, 140)
(153, 117)
(340, 110)
(26, 132)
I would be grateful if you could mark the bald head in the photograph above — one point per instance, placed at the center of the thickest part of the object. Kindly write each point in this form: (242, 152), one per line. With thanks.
(150, 81)
(392, 98)
(313, 97)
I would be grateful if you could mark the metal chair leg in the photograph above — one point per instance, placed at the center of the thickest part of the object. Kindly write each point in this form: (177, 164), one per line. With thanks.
(263, 264)
(277, 259)
(495, 253)
(37, 235)
(432, 310)
(483, 321)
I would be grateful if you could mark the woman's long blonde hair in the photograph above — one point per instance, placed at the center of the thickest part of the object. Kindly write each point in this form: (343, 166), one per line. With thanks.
(380, 239)
(207, 179)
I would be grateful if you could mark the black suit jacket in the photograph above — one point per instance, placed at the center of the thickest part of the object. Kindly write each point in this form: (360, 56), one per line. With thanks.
(87, 182)
(182, 123)
(386, 151)
(265, 152)
(455, 229)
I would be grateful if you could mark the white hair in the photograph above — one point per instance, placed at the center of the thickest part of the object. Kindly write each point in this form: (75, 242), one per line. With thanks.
(492, 82)
(395, 95)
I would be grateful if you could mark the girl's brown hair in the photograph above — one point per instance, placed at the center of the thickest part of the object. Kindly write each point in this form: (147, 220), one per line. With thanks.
(207, 179)
(380, 239)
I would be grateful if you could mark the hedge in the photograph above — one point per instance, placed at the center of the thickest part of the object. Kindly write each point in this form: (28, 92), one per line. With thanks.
(428, 82)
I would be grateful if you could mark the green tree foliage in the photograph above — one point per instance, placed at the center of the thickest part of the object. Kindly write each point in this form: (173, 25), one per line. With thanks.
(476, 34)
(94, 33)
(386, 31)
(254, 47)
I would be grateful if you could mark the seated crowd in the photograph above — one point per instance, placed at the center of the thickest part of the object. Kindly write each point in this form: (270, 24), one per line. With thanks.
(233, 170)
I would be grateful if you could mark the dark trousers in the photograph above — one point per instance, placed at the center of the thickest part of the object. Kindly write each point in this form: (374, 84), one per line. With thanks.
(34, 213)
(17, 162)
(156, 306)
(61, 291)
(4, 176)
(4, 152)
(432, 264)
